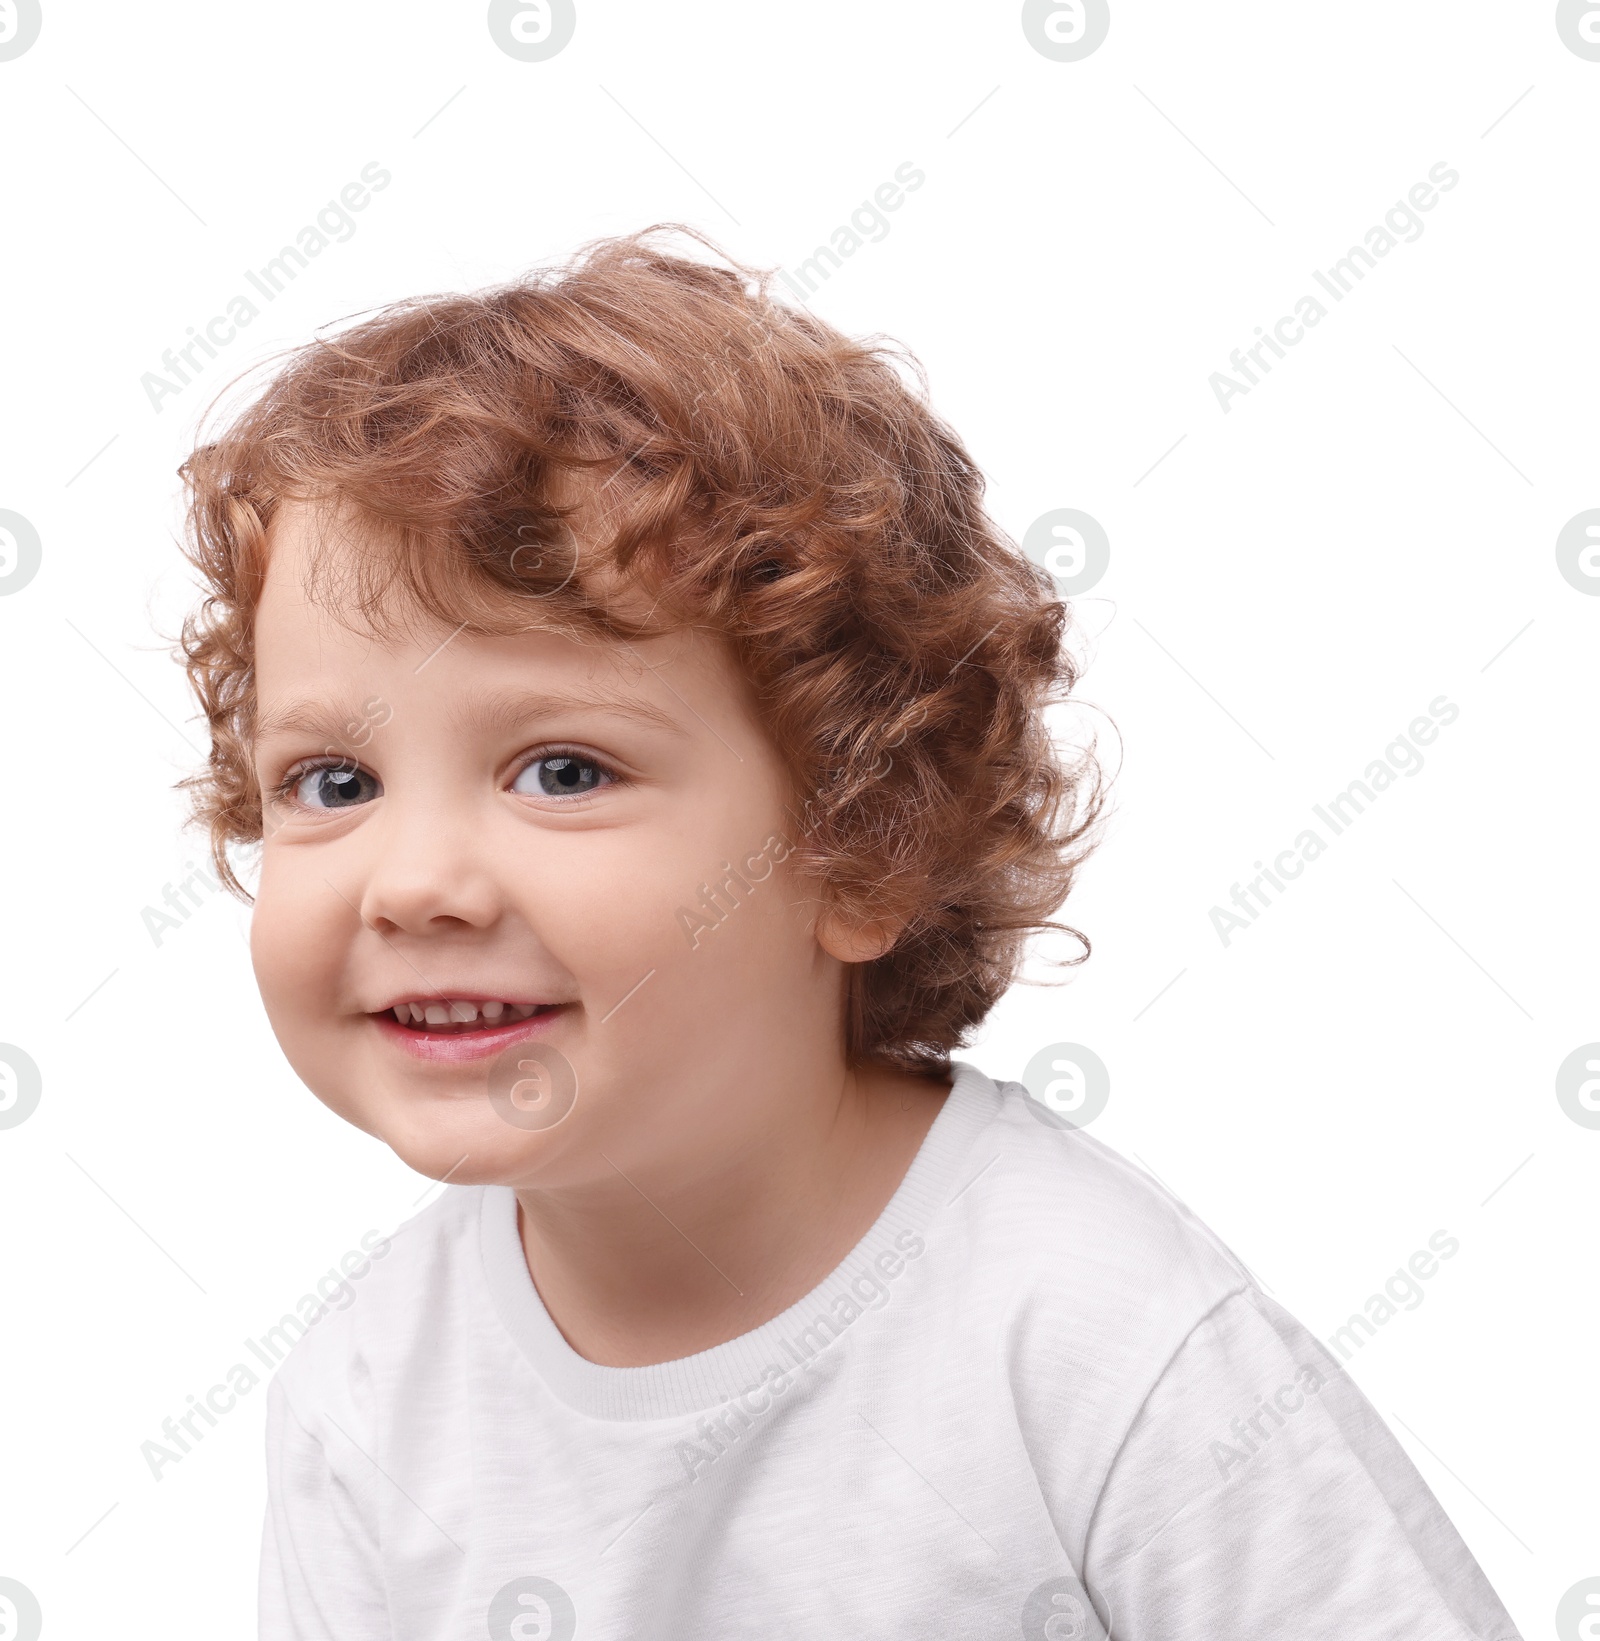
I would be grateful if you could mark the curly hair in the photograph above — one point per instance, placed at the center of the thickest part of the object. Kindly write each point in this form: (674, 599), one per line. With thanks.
(763, 475)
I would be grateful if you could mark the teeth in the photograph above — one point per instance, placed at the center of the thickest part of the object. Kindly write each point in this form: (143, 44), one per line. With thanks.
(457, 1011)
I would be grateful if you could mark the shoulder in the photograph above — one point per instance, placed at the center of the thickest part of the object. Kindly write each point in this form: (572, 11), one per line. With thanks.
(1094, 1276)
(1077, 1224)
(1095, 1273)
(397, 1306)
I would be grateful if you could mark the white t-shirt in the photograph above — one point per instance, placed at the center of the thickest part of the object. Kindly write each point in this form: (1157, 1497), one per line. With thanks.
(1038, 1399)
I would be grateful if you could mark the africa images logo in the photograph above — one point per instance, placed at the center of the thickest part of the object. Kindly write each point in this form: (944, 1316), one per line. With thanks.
(334, 225)
(1402, 756)
(1402, 225)
(530, 1608)
(20, 550)
(1578, 1615)
(1578, 24)
(1578, 1090)
(1066, 31)
(532, 31)
(1068, 1085)
(1072, 546)
(20, 1617)
(20, 1087)
(1059, 1610)
(20, 22)
(1578, 552)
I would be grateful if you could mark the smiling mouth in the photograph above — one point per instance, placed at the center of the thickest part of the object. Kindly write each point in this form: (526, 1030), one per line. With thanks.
(459, 1017)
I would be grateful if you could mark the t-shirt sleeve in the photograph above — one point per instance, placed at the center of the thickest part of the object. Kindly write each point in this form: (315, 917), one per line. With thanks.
(321, 1578)
(1258, 1495)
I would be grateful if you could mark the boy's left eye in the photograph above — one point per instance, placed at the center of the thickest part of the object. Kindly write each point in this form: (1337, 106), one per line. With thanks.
(335, 787)
(561, 774)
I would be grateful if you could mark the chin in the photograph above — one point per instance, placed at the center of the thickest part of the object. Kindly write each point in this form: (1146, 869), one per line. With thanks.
(469, 1147)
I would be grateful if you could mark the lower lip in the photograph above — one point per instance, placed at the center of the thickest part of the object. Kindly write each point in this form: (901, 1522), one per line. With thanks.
(456, 1047)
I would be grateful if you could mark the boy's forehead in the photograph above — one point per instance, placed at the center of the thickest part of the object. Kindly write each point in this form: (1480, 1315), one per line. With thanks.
(313, 619)
(323, 555)
(307, 544)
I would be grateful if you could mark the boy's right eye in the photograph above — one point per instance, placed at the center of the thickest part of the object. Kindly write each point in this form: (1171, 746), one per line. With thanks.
(335, 786)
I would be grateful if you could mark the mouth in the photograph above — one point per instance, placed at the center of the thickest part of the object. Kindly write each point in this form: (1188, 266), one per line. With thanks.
(461, 1028)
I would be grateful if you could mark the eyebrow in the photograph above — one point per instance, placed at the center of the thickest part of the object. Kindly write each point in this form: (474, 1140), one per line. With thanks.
(498, 709)
(510, 709)
(311, 717)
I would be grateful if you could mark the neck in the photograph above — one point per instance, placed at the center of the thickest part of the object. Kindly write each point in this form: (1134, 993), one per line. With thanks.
(647, 1263)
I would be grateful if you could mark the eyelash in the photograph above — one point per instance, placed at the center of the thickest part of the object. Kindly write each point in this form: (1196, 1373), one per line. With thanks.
(540, 754)
(298, 772)
(284, 788)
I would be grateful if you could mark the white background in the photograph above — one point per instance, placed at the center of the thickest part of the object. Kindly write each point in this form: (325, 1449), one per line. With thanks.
(1373, 526)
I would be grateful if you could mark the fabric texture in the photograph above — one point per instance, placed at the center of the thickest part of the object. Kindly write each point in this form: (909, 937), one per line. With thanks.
(1038, 1399)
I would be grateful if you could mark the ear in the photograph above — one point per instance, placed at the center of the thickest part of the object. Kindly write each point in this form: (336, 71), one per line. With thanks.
(854, 942)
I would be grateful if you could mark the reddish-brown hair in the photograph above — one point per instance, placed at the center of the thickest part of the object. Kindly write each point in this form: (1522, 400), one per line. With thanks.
(762, 475)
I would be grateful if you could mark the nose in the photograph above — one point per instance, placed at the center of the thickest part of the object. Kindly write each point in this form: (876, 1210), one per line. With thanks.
(428, 874)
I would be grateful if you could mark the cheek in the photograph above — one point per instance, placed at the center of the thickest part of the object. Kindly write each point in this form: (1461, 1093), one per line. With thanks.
(709, 938)
(296, 943)
(667, 918)
(299, 946)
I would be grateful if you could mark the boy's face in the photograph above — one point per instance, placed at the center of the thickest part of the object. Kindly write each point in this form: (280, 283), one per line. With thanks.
(520, 821)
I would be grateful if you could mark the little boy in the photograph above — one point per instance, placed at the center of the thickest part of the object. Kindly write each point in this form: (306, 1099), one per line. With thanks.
(643, 726)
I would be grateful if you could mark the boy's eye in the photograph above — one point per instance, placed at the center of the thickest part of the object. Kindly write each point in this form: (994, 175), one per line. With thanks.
(560, 775)
(336, 788)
